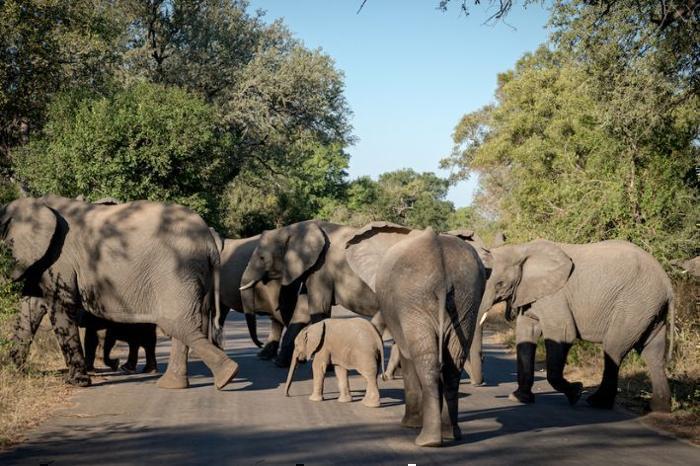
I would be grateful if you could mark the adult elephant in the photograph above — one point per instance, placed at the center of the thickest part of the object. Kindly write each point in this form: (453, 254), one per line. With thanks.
(263, 298)
(311, 253)
(610, 292)
(137, 262)
(429, 287)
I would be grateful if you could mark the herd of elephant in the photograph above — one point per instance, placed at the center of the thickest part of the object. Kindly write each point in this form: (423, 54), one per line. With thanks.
(149, 263)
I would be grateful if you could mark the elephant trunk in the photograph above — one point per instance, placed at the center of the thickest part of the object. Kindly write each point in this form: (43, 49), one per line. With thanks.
(252, 322)
(290, 375)
(475, 354)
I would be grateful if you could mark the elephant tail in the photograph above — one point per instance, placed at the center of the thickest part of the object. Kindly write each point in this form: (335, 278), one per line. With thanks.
(671, 309)
(442, 310)
(216, 331)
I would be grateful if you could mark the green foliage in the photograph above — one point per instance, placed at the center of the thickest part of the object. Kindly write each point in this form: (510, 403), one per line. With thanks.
(257, 201)
(572, 153)
(47, 47)
(404, 196)
(145, 142)
(9, 293)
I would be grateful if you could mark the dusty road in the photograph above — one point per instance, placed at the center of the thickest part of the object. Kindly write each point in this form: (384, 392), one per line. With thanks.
(127, 420)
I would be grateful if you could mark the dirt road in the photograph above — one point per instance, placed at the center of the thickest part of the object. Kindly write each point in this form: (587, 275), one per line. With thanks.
(127, 420)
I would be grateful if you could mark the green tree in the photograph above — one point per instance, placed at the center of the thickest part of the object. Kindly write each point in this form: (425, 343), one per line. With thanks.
(552, 163)
(47, 47)
(145, 142)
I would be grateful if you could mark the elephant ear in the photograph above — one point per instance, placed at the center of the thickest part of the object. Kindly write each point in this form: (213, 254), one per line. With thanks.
(364, 251)
(545, 270)
(305, 243)
(315, 335)
(29, 226)
(217, 239)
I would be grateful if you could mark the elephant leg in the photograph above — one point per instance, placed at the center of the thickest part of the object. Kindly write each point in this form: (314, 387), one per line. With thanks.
(133, 359)
(269, 351)
(90, 343)
(66, 331)
(175, 376)
(450, 376)
(556, 360)
(108, 345)
(654, 354)
(26, 326)
(319, 370)
(149, 346)
(604, 396)
(527, 332)
(371, 398)
(394, 361)
(222, 367)
(284, 358)
(428, 372)
(413, 395)
(341, 374)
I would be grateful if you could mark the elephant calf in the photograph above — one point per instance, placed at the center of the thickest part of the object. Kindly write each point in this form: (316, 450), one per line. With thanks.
(347, 344)
(136, 335)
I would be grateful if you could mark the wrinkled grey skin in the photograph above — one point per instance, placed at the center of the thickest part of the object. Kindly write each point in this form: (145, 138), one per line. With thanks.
(310, 253)
(429, 287)
(138, 262)
(263, 298)
(611, 292)
(346, 344)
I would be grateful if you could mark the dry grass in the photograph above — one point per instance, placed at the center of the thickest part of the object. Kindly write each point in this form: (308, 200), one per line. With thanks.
(29, 397)
(585, 364)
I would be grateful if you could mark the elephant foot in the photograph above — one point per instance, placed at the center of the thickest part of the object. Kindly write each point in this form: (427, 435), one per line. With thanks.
(150, 370)
(412, 422)
(269, 351)
(660, 405)
(90, 370)
(127, 369)
(372, 402)
(601, 400)
(429, 440)
(112, 364)
(172, 381)
(451, 433)
(315, 397)
(344, 399)
(573, 393)
(522, 397)
(78, 380)
(226, 373)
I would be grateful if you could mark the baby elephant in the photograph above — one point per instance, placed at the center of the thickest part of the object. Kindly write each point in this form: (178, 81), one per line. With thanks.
(347, 344)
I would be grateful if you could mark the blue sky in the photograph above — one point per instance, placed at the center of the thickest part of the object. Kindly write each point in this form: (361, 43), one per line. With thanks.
(411, 71)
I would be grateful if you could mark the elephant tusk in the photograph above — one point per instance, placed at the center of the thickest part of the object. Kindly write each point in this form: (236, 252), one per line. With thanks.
(483, 319)
(248, 285)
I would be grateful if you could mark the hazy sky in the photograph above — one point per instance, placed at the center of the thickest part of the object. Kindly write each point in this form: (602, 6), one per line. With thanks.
(411, 71)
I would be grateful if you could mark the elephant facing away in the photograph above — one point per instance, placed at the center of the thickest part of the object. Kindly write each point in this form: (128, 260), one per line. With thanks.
(137, 262)
(346, 344)
(429, 287)
(610, 292)
(311, 253)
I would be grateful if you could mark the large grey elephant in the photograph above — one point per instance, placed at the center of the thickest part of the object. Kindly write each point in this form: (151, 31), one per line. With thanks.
(137, 262)
(263, 298)
(611, 292)
(429, 287)
(311, 253)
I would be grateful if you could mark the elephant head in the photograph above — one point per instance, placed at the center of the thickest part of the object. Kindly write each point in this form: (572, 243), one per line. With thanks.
(283, 255)
(32, 231)
(523, 273)
(306, 344)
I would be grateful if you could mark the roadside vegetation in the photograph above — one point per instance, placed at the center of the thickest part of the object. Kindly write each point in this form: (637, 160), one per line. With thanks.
(592, 136)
